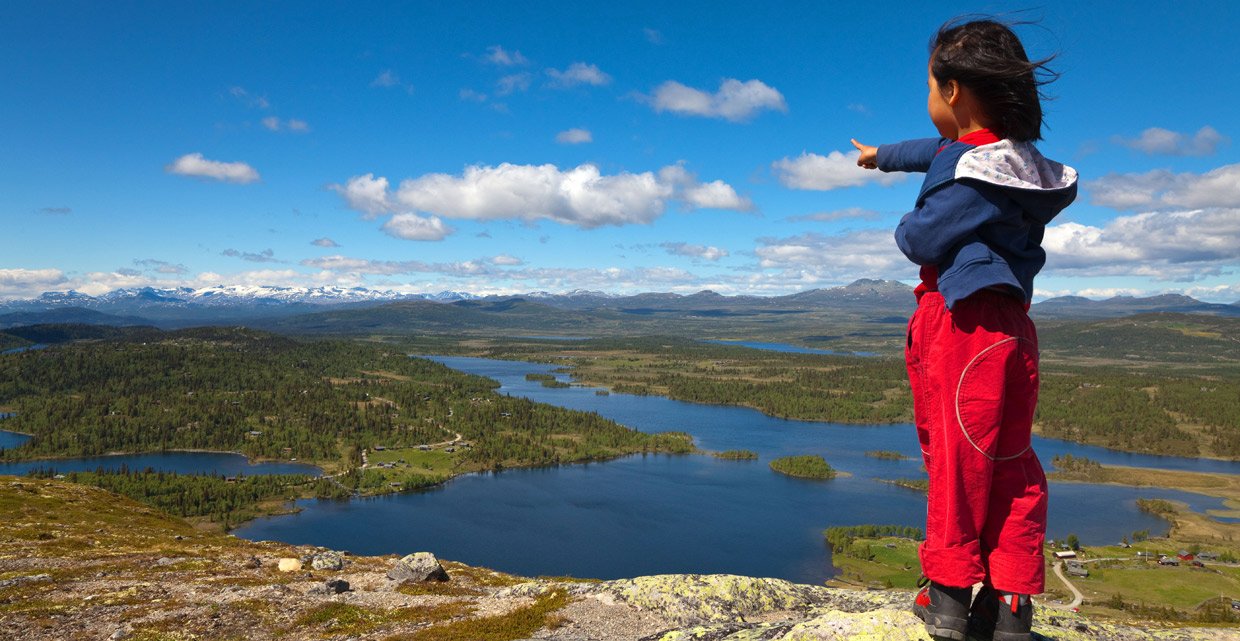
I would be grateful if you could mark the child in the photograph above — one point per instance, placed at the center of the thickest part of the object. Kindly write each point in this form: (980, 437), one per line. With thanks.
(972, 352)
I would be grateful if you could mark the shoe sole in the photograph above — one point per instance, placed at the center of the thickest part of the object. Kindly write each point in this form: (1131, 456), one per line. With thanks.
(952, 634)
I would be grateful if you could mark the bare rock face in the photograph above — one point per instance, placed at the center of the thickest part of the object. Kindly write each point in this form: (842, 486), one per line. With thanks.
(415, 568)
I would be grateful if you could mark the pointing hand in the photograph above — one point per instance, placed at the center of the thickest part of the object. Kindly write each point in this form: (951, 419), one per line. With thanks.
(869, 155)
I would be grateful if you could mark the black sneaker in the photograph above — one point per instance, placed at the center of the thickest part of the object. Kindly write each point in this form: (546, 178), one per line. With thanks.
(993, 617)
(944, 609)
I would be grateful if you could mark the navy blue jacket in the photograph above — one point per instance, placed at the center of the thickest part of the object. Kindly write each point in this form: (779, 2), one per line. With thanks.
(981, 212)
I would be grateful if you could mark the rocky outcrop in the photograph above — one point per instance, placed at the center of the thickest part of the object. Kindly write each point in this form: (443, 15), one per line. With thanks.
(325, 560)
(415, 568)
(739, 608)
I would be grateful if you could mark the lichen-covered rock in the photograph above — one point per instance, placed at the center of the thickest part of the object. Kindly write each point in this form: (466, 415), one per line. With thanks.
(735, 608)
(422, 566)
(693, 599)
(326, 560)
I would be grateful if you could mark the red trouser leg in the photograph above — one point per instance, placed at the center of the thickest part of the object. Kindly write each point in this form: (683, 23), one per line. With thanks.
(974, 374)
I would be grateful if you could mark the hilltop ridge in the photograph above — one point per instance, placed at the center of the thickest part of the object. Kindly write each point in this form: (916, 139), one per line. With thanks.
(79, 562)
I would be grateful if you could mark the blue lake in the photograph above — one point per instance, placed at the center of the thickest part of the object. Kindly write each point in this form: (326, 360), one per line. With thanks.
(182, 462)
(656, 514)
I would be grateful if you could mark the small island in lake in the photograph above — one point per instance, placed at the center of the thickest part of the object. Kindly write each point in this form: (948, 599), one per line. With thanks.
(886, 454)
(547, 380)
(737, 454)
(809, 466)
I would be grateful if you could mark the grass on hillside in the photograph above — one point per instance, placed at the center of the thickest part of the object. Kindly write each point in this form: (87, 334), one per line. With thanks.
(117, 564)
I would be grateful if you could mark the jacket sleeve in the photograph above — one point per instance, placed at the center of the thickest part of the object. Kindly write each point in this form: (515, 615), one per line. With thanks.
(946, 216)
(910, 155)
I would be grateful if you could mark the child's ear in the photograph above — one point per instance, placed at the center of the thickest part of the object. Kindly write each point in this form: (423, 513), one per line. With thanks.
(951, 92)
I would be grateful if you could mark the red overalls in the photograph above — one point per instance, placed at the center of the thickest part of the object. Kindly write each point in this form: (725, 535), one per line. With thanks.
(974, 374)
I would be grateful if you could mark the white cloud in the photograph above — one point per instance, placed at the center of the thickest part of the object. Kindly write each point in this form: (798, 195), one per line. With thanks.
(833, 171)
(579, 196)
(578, 73)
(701, 252)
(366, 194)
(735, 100)
(507, 260)
(653, 36)
(848, 213)
(1157, 140)
(513, 83)
(498, 55)
(415, 227)
(1179, 245)
(470, 94)
(195, 165)
(712, 195)
(865, 253)
(574, 137)
(1162, 189)
(386, 79)
(25, 283)
(324, 242)
(273, 123)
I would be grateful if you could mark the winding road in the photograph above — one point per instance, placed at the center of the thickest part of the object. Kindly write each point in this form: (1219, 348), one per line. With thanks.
(1079, 598)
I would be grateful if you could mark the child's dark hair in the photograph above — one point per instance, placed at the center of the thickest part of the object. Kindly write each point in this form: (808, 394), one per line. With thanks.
(987, 57)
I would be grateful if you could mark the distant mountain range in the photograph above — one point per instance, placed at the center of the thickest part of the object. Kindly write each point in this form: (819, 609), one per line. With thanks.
(284, 307)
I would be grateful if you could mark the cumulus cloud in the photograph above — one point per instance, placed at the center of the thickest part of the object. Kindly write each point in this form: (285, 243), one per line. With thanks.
(578, 73)
(366, 194)
(507, 260)
(1163, 189)
(713, 195)
(197, 166)
(23, 283)
(735, 101)
(581, 197)
(848, 213)
(833, 171)
(324, 242)
(862, 253)
(250, 100)
(499, 56)
(700, 252)
(515, 82)
(415, 227)
(1157, 140)
(265, 256)
(1177, 245)
(574, 137)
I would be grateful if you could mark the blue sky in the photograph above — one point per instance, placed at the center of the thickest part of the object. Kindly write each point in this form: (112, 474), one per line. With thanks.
(638, 146)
